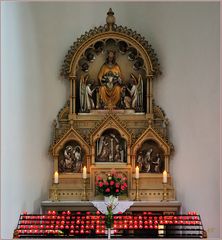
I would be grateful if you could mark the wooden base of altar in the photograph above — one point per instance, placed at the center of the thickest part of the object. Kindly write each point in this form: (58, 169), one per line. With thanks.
(138, 206)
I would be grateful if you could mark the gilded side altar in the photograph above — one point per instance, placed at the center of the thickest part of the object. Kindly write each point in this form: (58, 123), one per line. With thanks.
(110, 120)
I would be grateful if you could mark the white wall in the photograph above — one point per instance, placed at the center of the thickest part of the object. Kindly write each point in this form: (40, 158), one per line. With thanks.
(35, 40)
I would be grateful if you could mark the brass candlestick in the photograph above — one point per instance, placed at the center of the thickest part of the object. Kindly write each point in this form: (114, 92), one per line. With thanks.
(137, 198)
(164, 193)
(84, 197)
(54, 193)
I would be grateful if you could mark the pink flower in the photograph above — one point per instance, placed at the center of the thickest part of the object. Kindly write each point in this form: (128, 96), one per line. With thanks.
(124, 184)
(117, 185)
(106, 183)
(107, 190)
(99, 178)
(122, 188)
(111, 183)
(100, 184)
(117, 190)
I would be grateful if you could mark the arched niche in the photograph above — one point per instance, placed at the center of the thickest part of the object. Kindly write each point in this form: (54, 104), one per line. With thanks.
(73, 148)
(150, 147)
(150, 157)
(71, 157)
(86, 56)
(111, 147)
(111, 127)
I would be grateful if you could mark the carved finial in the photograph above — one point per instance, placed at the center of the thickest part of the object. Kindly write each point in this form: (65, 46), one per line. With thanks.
(71, 123)
(150, 122)
(110, 19)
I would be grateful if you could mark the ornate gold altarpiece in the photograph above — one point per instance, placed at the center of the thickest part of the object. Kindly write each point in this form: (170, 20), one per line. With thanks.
(110, 120)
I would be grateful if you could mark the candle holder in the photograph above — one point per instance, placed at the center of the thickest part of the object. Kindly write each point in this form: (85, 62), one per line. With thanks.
(54, 193)
(84, 197)
(164, 199)
(137, 198)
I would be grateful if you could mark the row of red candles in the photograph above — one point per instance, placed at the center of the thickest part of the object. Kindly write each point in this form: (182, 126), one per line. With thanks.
(92, 217)
(77, 222)
(98, 213)
(117, 225)
(57, 232)
(101, 226)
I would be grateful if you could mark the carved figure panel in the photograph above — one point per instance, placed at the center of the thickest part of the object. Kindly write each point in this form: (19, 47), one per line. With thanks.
(71, 158)
(111, 147)
(112, 78)
(150, 158)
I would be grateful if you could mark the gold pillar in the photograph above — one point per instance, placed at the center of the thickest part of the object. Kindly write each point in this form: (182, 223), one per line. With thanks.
(133, 163)
(93, 154)
(149, 101)
(128, 155)
(87, 162)
(72, 94)
(167, 162)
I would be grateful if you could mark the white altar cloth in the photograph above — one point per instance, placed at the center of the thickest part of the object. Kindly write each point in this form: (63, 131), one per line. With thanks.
(121, 206)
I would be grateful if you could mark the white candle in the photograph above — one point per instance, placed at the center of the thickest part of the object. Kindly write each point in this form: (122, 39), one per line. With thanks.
(137, 175)
(56, 177)
(84, 173)
(165, 176)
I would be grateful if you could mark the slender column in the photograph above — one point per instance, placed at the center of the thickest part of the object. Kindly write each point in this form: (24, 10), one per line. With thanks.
(133, 163)
(93, 154)
(128, 155)
(88, 162)
(149, 94)
(72, 94)
(167, 162)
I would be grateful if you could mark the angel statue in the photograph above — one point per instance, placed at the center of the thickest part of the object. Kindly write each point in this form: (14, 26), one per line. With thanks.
(136, 92)
(68, 160)
(86, 94)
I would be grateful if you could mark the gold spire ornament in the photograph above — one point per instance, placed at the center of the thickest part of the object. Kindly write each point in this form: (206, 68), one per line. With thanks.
(110, 19)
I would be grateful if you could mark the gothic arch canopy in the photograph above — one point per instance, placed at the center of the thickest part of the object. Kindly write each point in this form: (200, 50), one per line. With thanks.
(110, 31)
(151, 134)
(71, 135)
(110, 122)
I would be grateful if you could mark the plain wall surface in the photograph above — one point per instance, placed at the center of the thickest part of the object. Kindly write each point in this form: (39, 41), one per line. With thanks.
(35, 40)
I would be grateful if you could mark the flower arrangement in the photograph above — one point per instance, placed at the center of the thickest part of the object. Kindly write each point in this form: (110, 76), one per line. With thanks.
(115, 184)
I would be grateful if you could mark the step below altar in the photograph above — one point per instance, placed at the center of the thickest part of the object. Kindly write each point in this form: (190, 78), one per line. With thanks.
(137, 206)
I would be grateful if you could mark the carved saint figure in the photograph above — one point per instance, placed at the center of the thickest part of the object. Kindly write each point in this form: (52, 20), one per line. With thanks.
(156, 163)
(77, 158)
(104, 150)
(117, 157)
(110, 78)
(136, 91)
(86, 94)
(68, 161)
(147, 160)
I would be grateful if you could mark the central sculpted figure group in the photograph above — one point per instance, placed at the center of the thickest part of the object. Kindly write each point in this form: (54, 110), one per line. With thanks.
(110, 78)
(111, 91)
